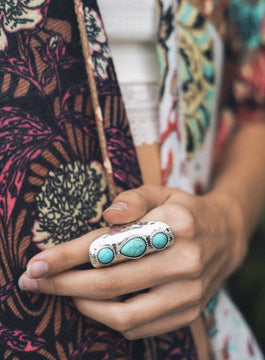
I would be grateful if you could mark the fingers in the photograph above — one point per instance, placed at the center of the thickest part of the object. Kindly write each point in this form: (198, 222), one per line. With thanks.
(133, 204)
(149, 306)
(143, 203)
(165, 324)
(154, 203)
(63, 257)
(102, 283)
(176, 262)
(142, 316)
(181, 220)
(76, 252)
(183, 258)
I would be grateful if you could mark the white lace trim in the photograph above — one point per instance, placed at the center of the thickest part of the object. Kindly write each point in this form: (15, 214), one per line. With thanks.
(141, 103)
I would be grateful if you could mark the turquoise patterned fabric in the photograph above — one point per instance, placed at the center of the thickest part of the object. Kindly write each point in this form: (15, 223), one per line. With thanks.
(248, 18)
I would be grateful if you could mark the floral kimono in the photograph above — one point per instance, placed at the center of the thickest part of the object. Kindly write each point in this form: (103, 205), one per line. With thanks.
(66, 150)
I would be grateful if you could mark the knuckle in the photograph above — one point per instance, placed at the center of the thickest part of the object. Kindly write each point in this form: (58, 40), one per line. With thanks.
(123, 322)
(105, 286)
(194, 314)
(169, 211)
(194, 260)
(135, 197)
(149, 188)
(54, 285)
(65, 257)
(130, 335)
(80, 306)
(139, 197)
(164, 214)
(198, 292)
(188, 223)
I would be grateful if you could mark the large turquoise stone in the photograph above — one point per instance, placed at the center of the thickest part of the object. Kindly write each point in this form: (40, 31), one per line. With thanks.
(105, 256)
(159, 240)
(134, 247)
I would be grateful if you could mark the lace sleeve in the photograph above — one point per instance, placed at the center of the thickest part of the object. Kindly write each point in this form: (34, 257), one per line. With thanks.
(141, 102)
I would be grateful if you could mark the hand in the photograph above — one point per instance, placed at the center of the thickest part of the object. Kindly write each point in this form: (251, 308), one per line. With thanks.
(180, 280)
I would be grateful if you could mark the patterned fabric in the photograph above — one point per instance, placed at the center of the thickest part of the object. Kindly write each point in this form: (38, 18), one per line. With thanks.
(53, 183)
(243, 98)
(191, 57)
(230, 337)
(190, 53)
(53, 177)
(66, 149)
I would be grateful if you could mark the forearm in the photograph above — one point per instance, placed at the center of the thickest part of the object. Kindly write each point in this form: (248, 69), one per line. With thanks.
(240, 182)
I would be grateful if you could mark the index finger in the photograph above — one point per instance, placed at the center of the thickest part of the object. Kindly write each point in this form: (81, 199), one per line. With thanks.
(64, 256)
(76, 252)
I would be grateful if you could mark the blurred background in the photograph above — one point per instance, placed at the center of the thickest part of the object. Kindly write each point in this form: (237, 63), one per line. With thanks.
(247, 285)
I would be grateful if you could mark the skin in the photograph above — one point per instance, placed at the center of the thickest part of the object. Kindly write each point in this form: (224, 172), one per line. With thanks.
(211, 234)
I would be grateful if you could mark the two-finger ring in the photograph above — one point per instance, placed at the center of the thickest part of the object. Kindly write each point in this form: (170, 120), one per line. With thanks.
(130, 242)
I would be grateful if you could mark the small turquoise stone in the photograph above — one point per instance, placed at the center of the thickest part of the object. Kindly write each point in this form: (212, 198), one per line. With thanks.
(134, 247)
(105, 256)
(159, 240)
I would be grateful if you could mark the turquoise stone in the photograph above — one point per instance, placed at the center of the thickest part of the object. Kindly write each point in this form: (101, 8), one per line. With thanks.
(105, 256)
(134, 247)
(159, 240)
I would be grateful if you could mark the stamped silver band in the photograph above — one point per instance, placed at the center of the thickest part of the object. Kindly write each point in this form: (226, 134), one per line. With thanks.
(130, 242)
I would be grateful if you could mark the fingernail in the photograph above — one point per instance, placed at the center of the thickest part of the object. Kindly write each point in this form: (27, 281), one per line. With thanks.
(120, 206)
(37, 269)
(26, 283)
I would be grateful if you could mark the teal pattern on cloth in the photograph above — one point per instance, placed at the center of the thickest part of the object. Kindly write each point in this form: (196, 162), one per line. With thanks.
(191, 54)
(248, 17)
(208, 314)
(196, 49)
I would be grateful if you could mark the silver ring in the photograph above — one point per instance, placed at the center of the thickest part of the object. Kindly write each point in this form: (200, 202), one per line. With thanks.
(130, 242)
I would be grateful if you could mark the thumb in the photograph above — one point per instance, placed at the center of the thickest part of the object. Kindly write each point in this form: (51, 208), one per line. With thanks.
(133, 204)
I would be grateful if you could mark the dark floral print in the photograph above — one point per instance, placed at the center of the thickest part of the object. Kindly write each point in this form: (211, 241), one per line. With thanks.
(70, 201)
(20, 340)
(98, 42)
(121, 151)
(53, 183)
(55, 55)
(22, 138)
(18, 15)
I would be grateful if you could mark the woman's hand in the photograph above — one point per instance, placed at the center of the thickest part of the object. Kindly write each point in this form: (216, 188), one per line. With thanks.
(209, 245)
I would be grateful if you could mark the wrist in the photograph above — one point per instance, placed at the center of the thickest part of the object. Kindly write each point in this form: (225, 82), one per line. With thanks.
(231, 215)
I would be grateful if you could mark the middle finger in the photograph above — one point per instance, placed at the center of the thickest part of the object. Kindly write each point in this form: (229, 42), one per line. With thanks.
(117, 280)
(143, 308)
